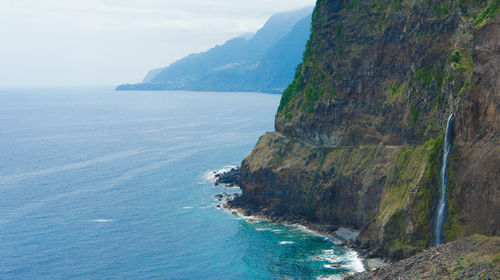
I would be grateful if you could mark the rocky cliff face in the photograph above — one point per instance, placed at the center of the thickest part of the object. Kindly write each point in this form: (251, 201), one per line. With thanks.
(359, 131)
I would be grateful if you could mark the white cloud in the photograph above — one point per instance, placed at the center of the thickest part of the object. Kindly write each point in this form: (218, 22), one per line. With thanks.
(77, 42)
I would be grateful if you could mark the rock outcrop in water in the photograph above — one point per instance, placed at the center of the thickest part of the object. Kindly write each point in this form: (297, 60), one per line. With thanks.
(359, 132)
(229, 178)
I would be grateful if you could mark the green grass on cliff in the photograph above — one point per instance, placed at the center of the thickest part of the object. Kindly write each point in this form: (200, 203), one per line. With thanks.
(474, 257)
(453, 227)
(434, 146)
(425, 77)
(409, 199)
(490, 12)
(290, 92)
(455, 56)
(464, 65)
(425, 83)
(414, 112)
(415, 172)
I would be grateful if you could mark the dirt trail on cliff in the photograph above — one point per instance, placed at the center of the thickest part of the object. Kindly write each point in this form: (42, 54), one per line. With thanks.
(360, 130)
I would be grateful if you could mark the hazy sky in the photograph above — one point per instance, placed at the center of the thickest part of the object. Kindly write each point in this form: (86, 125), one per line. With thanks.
(108, 42)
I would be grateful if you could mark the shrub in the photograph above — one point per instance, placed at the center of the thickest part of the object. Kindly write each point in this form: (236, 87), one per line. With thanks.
(490, 12)
(455, 56)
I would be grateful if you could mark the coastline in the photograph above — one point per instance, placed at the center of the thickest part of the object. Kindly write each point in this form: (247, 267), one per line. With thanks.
(228, 178)
(458, 258)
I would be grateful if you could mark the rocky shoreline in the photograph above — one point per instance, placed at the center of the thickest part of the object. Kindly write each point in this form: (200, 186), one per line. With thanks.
(340, 236)
(475, 257)
(359, 133)
(231, 179)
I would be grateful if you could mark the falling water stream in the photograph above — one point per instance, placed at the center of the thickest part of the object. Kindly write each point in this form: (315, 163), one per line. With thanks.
(448, 141)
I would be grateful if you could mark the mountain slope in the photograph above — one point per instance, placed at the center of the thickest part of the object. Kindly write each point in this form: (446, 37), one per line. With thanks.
(359, 132)
(277, 67)
(237, 64)
(151, 75)
(474, 257)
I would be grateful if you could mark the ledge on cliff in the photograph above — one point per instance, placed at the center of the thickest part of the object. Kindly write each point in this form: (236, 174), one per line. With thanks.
(359, 131)
(382, 190)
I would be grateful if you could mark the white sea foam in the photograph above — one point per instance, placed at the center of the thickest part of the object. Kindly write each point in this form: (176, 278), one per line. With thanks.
(209, 175)
(329, 277)
(332, 259)
(349, 260)
(240, 216)
(329, 256)
(187, 207)
(262, 229)
(353, 261)
(312, 232)
(328, 252)
(332, 266)
(102, 220)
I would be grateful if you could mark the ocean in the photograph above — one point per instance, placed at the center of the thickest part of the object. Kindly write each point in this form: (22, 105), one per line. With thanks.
(98, 184)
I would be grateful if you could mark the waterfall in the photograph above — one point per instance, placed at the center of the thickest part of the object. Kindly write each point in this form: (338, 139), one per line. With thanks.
(448, 141)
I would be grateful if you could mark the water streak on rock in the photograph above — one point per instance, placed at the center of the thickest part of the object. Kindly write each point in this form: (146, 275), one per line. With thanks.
(448, 142)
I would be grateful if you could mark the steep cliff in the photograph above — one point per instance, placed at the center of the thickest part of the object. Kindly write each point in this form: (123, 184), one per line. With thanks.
(359, 131)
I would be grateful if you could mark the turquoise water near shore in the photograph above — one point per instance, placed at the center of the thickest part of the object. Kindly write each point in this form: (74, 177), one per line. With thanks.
(97, 184)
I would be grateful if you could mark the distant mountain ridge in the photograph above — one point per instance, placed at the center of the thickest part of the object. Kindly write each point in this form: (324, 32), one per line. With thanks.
(263, 62)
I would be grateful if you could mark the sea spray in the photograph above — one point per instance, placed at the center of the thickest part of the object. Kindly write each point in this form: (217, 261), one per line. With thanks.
(337, 259)
(448, 141)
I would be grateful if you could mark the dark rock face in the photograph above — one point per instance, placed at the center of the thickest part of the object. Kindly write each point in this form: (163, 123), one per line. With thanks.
(476, 163)
(377, 75)
(230, 178)
(359, 132)
(378, 189)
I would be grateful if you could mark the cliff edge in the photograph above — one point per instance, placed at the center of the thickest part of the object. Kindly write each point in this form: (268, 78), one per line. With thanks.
(359, 132)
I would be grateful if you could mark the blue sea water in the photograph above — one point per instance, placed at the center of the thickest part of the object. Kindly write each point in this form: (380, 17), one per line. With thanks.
(97, 184)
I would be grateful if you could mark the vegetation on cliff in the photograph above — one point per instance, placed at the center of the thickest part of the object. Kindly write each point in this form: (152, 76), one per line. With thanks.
(475, 257)
(414, 67)
(359, 130)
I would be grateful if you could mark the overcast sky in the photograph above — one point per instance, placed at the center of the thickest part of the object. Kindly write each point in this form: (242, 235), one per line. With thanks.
(108, 42)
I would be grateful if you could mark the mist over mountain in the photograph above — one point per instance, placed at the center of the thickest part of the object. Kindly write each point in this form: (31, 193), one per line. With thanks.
(264, 61)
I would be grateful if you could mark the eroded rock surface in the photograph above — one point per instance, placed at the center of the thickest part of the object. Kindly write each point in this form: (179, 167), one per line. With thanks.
(475, 257)
(358, 139)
